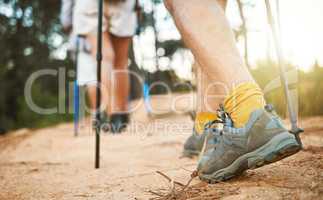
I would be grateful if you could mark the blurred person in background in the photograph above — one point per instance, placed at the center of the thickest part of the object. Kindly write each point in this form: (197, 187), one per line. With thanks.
(119, 25)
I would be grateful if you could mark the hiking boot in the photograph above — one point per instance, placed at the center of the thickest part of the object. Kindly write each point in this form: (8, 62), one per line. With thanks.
(118, 122)
(194, 144)
(105, 124)
(95, 123)
(263, 140)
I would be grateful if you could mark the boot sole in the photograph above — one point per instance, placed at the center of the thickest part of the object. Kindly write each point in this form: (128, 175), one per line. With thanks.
(279, 147)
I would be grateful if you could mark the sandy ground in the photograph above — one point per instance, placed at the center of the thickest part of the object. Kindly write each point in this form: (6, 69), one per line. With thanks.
(53, 164)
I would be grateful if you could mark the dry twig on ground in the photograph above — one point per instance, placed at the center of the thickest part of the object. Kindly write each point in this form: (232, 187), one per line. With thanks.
(174, 192)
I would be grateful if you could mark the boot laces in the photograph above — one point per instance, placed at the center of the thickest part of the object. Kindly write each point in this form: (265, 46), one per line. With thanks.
(223, 118)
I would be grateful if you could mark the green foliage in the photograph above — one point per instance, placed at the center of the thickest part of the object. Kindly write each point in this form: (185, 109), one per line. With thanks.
(309, 88)
(310, 92)
(26, 44)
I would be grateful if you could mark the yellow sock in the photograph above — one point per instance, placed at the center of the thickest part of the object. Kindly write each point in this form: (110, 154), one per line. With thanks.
(242, 101)
(202, 119)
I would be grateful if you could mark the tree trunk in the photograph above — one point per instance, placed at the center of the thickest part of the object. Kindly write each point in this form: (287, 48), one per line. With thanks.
(244, 32)
(135, 85)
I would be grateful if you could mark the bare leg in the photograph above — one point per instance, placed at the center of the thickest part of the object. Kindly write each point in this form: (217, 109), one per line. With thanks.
(121, 76)
(209, 93)
(91, 93)
(223, 3)
(107, 60)
(211, 42)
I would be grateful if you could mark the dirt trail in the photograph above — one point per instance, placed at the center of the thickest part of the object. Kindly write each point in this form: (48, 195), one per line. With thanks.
(52, 164)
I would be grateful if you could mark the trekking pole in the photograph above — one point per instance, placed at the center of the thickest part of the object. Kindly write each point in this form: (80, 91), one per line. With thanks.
(281, 62)
(97, 125)
(76, 91)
